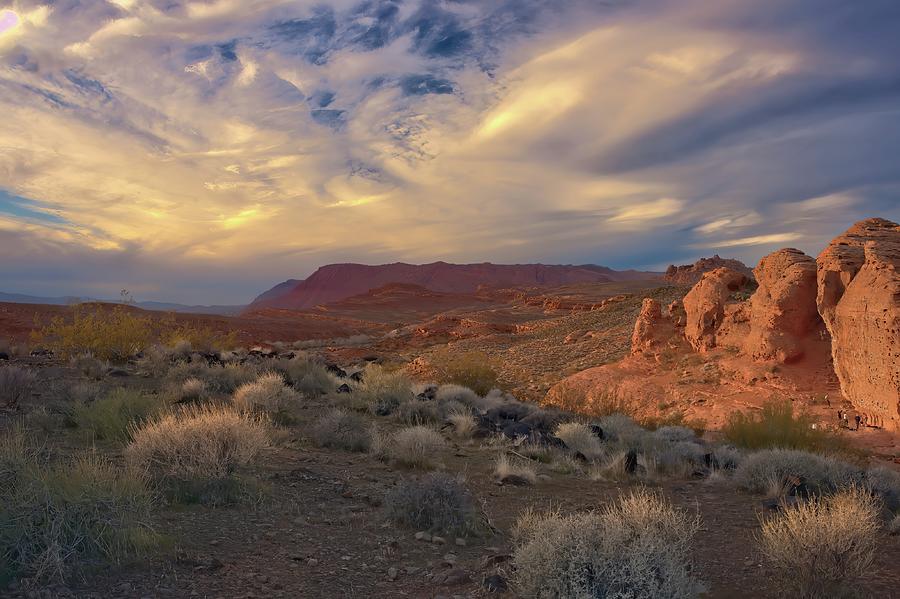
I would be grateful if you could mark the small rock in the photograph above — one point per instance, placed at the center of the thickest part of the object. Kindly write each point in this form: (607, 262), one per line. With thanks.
(312, 562)
(461, 542)
(423, 536)
(495, 583)
(392, 573)
(438, 540)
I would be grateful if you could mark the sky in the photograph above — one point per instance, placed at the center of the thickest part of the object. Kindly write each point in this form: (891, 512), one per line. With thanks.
(203, 151)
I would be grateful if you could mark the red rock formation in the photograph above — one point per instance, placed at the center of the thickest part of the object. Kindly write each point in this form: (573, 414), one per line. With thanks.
(859, 300)
(651, 330)
(690, 274)
(677, 314)
(704, 306)
(783, 310)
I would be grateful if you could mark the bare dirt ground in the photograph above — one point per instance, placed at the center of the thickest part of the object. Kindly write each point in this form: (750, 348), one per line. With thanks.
(319, 529)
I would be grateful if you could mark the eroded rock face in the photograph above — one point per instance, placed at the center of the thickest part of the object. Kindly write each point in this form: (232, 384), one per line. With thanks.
(859, 299)
(652, 329)
(704, 306)
(783, 311)
(843, 258)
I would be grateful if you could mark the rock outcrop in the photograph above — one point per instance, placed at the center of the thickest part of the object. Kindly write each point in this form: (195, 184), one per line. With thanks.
(690, 274)
(859, 300)
(783, 310)
(651, 330)
(704, 305)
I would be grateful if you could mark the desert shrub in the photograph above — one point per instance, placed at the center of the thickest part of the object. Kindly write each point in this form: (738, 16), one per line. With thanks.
(383, 391)
(108, 334)
(620, 427)
(436, 502)
(580, 438)
(471, 369)
(111, 418)
(267, 394)
(674, 434)
(776, 425)
(196, 454)
(343, 430)
(89, 366)
(43, 419)
(610, 468)
(16, 384)
(458, 393)
(61, 518)
(414, 411)
(726, 457)
(413, 446)
(767, 469)
(884, 482)
(514, 470)
(638, 547)
(821, 548)
(680, 459)
(308, 376)
(17, 457)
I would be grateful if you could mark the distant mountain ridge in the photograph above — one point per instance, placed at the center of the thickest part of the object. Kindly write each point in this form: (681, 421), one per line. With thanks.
(336, 282)
(18, 298)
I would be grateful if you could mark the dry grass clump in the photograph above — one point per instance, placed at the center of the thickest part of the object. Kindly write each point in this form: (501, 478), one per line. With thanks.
(198, 452)
(191, 390)
(111, 418)
(16, 384)
(308, 376)
(776, 425)
(413, 446)
(342, 430)
(509, 470)
(638, 547)
(437, 502)
(57, 519)
(266, 395)
(821, 548)
(765, 470)
(674, 434)
(383, 391)
(579, 438)
(463, 422)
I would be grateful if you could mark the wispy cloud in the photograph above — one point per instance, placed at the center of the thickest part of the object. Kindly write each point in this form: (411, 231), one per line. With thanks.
(257, 139)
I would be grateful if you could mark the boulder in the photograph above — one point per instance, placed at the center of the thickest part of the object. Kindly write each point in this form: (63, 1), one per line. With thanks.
(704, 305)
(783, 310)
(677, 314)
(859, 299)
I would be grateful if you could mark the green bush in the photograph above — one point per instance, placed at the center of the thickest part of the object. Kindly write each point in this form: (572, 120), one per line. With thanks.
(107, 334)
(776, 425)
(111, 417)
